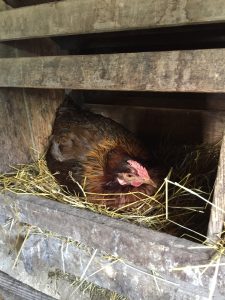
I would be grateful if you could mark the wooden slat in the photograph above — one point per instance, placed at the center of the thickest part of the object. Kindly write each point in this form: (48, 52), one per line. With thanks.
(190, 71)
(185, 101)
(20, 290)
(217, 218)
(26, 123)
(154, 124)
(45, 256)
(26, 116)
(133, 243)
(91, 16)
(144, 248)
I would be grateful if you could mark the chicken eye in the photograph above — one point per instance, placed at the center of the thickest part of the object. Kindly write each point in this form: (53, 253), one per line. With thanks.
(129, 175)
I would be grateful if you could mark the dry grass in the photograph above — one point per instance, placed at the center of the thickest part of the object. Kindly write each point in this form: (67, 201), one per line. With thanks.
(183, 198)
(192, 167)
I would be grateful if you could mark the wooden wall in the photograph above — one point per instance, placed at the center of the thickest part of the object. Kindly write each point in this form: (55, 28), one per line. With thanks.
(181, 118)
(26, 115)
(26, 123)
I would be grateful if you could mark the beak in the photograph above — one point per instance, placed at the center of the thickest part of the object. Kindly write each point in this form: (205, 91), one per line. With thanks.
(151, 182)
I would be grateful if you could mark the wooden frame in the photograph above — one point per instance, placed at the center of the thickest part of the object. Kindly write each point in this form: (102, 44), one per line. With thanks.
(91, 16)
(144, 250)
(157, 71)
(217, 218)
(13, 287)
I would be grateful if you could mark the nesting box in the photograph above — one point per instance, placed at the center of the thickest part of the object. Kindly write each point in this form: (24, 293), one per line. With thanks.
(154, 66)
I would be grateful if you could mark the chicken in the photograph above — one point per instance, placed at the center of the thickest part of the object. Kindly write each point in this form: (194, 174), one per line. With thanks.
(100, 155)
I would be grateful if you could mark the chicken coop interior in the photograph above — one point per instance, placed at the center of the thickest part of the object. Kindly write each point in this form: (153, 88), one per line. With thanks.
(155, 67)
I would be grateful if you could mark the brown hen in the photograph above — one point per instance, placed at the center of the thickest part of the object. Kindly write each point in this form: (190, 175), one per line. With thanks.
(100, 155)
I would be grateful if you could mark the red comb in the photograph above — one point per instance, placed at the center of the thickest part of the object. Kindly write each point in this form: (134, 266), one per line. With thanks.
(142, 172)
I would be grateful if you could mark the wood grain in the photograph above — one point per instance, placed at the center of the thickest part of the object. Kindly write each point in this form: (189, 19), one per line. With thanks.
(190, 71)
(19, 290)
(152, 124)
(217, 218)
(91, 16)
(184, 101)
(26, 116)
(142, 250)
(102, 232)
(26, 123)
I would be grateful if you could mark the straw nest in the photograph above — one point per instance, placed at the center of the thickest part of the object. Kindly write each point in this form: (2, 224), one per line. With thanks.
(191, 177)
(183, 198)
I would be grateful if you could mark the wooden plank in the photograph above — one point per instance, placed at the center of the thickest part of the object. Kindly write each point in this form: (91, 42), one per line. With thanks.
(26, 123)
(15, 288)
(217, 217)
(121, 277)
(107, 234)
(26, 116)
(91, 16)
(152, 124)
(183, 101)
(43, 255)
(139, 247)
(190, 71)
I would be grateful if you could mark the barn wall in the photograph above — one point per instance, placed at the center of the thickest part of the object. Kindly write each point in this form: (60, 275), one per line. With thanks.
(26, 116)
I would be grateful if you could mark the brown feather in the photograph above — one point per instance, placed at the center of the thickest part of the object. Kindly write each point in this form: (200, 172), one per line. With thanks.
(94, 148)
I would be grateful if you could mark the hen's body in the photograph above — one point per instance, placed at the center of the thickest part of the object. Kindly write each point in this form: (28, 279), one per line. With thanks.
(93, 150)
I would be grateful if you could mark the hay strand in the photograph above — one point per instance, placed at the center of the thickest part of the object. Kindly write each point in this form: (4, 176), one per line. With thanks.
(189, 178)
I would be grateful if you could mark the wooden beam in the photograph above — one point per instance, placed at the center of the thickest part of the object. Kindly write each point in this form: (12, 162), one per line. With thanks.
(26, 115)
(92, 16)
(151, 124)
(26, 123)
(217, 217)
(185, 101)
(143, 247)
(190, 71)
(10, 287)
(45, 255)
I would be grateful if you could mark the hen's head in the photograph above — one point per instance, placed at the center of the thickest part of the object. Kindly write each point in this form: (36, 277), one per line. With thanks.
(134, 175)
(127, 171)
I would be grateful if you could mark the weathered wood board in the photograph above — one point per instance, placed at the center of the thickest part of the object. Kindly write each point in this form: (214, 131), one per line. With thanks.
(26, 116)
(11, 287)
(184, 101)
(217, 219)
(104, 233)
(91, 16)
(141, 248)
(51, 259)
(26, 123)
(156, 124)
(190, 71)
